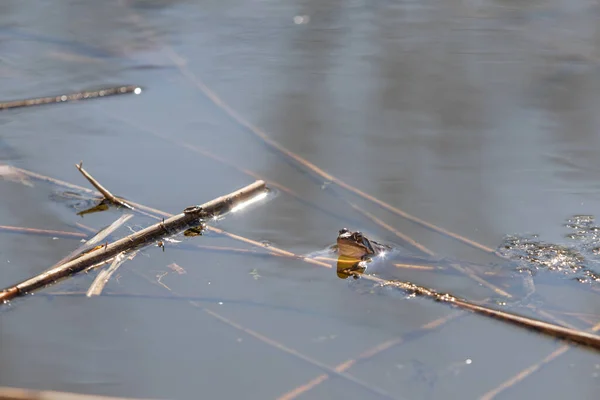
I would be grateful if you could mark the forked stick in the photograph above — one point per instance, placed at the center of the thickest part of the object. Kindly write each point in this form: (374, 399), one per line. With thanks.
(108, 195)
(216, 207)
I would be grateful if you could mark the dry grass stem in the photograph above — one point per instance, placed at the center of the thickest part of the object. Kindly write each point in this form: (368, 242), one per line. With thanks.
(42, 232)
(86, 95)
(556, 331)
(104, 275)
(95, 240)
(10, 393)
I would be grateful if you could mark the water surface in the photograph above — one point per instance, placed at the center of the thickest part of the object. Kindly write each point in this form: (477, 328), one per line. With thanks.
(478, 116)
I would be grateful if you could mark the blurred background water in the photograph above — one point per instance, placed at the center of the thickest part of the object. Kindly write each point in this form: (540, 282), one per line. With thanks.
(478, 116)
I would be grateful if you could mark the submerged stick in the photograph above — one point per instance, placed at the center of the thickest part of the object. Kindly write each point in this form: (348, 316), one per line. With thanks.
(104, 276)
(213, 208)
(546, 328)
(95, 240)
(86, 95)
(42, 232)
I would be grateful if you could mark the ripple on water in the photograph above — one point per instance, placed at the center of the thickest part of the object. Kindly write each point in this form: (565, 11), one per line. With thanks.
(578, 258)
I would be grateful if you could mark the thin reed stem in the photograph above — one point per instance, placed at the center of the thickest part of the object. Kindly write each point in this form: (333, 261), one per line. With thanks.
(70, 97)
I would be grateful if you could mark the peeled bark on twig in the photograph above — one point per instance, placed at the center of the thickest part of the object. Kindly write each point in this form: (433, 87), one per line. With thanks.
(213, 208)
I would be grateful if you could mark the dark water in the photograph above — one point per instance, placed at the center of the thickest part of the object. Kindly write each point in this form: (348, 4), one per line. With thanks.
(477, 116)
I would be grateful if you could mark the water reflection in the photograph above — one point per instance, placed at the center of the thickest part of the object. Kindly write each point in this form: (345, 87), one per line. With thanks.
(477, 116)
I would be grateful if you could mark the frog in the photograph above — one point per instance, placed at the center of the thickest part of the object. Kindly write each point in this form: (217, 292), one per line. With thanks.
(356, 245)
(355, 251)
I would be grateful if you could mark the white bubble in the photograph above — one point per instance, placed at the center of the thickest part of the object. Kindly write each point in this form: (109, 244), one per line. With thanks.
(301, 19)
(137, 90)
(468, 361)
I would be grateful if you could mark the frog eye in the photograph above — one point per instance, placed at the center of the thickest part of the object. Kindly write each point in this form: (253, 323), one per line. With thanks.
(343, 230)
(358, 236)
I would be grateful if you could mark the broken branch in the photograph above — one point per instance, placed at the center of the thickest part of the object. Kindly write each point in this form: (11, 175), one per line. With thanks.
(213, 208)
(94, 94)
(559, 332)
(108, 195)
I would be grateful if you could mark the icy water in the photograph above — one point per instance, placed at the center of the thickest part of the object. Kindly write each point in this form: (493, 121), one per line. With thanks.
(480, 117)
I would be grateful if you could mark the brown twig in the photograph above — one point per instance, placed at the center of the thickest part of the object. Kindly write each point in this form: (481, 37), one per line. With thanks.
(107, 195)
(222, 232)
(11, 393)
(42, 232)
(218, 206)
(195, 247)
(86, 95)
(552, 330)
